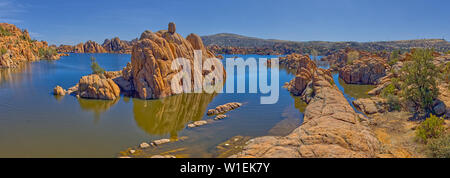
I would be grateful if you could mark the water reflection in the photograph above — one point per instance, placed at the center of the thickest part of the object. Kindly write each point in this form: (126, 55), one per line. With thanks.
(171, 114)
(10, 75)
(96, 106)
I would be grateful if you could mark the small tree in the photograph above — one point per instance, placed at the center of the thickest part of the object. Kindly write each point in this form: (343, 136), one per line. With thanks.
(393, 58)
(96, 69)
(419, 80)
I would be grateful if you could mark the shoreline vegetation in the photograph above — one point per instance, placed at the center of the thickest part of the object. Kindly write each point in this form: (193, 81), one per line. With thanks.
(406, 115)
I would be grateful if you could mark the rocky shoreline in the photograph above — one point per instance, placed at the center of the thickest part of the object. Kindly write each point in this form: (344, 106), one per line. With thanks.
(16, 47)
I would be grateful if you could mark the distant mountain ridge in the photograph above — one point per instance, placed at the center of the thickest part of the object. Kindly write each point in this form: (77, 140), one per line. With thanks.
(223, 42)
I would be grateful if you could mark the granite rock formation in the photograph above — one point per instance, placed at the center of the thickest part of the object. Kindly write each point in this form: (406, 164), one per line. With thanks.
(152, 57)
(115, 45)
(366, 70)
(331, 129)
(305, 70)
(98, 87)
(16, 47)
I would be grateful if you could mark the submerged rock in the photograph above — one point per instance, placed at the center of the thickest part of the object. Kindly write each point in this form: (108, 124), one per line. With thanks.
(144, 145)
(160, 142)
(224, 108)
(220, 117)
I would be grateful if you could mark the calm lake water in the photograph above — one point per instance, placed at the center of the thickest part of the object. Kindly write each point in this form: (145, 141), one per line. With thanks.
(34, 123)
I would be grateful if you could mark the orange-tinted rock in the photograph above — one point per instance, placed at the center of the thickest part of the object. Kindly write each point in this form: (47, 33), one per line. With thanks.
(98, 87)
(16, 47)
(340, 59)
(331, 129)
(366, 70)
(152, 57)
(305, 69)
(116, 45)
(58, 90)
(93, 47)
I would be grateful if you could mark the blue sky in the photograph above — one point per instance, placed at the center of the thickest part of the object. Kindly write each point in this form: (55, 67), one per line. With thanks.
(71, 22)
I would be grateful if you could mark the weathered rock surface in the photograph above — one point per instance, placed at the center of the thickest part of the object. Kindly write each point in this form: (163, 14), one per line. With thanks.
(339, 59)
(305, 69)
(58, 90)
(224, 108)
(16, 47)
(366, 70)
(331, 129)
(152, 57)
(371, 105)
(90, 47)
(98, 87)
(115, 45)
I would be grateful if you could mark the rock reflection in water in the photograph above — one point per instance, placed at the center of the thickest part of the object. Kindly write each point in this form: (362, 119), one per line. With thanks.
(171, 114)
(96, 106)
(7, 75)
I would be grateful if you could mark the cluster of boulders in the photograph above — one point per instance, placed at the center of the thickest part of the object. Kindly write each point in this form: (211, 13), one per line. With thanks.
(17, 47)
(365, 70)
(301, 85)
(114, 45)
(149, 74)
(153, 55)
(294, 61)
(331, 128)
(89, 47)
(340, 58)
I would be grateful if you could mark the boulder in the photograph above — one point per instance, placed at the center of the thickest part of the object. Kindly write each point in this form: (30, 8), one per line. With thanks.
(58, 90)
(98, 87)
(439, 108)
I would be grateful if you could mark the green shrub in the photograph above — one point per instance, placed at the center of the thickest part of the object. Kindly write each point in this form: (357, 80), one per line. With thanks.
(96, 69)
(47, 52)
(432, 128)
(393, 103)
(393, 58)
(3, 51)
(388, 90)
(419, 80)
(439, 147)
(446, 72)
(4, 32)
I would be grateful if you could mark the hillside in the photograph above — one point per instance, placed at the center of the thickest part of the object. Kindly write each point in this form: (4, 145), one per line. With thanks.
(233, 43)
